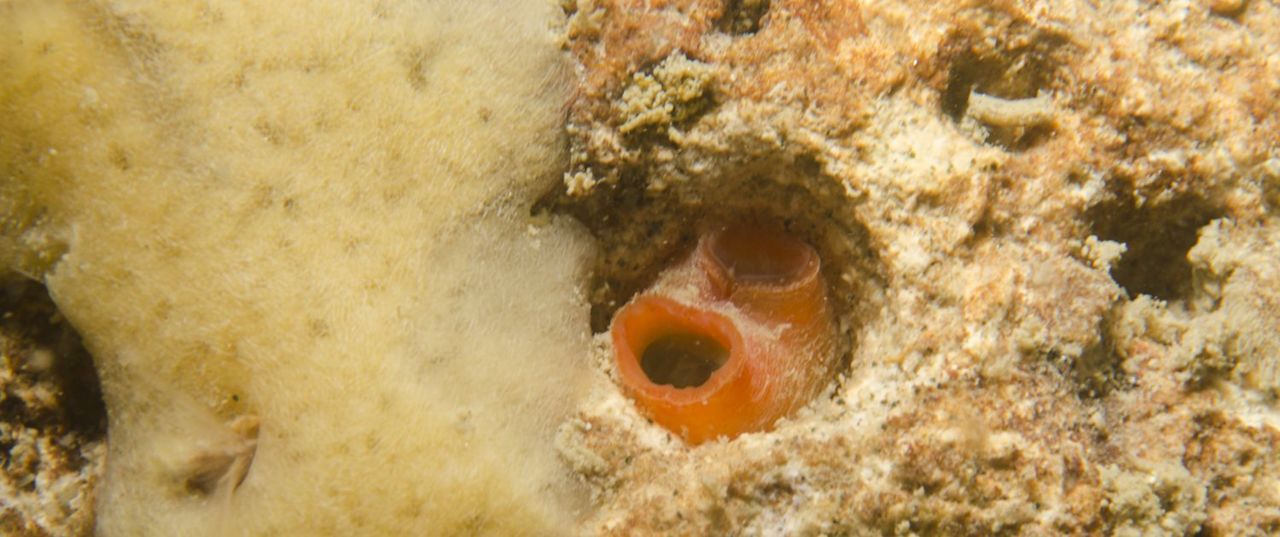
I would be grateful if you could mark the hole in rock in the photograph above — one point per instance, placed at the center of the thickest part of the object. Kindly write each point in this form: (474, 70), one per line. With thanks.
(743, 17)
(683, 360)
(1158, 237)
(641, 232)
(1019, 65)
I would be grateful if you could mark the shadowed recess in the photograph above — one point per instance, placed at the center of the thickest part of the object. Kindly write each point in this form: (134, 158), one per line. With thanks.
(683, 360)
(1158, 238)
(39, 344)
(743, 17)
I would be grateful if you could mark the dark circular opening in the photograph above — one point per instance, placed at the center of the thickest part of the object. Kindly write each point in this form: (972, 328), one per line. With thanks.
(1158, 237)
(683, 360)
(760, 254)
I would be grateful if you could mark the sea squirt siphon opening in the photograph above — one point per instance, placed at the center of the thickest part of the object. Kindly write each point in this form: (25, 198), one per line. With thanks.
(748, 341)
(759, 254)
(683, 360)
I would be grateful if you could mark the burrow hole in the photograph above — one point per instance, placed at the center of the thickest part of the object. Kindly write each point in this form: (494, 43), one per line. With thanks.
(743, 17)
(1001, 69)
(1158, 237)
(642, 232)
(640, 236)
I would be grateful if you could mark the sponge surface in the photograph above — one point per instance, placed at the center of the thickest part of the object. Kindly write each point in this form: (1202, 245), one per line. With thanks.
(294, 237)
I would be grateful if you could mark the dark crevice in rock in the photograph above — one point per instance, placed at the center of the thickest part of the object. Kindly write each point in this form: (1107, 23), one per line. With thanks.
(743, 17)
(41, 348)
(1158, 237)
(1018, 67)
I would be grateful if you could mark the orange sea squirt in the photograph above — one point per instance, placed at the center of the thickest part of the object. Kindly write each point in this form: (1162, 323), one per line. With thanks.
(752, 342)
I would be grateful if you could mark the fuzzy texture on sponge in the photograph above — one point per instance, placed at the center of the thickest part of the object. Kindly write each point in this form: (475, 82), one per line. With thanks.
(308, 217)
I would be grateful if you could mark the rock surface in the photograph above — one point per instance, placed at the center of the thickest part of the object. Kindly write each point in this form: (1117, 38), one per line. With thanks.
(1052, 225)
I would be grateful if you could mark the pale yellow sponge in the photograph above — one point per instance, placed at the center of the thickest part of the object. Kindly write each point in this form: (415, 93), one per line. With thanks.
(294, 235)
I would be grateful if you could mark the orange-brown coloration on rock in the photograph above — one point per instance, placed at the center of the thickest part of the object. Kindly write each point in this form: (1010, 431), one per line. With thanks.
(754, 343)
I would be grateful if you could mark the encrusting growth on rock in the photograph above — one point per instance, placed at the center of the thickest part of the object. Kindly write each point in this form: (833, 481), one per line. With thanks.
(674, 92)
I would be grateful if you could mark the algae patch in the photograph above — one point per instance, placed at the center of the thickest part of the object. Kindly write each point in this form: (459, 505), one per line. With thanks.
(674, 92)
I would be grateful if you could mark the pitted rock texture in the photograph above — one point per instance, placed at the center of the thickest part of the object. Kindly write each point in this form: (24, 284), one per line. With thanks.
(1061, 305)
